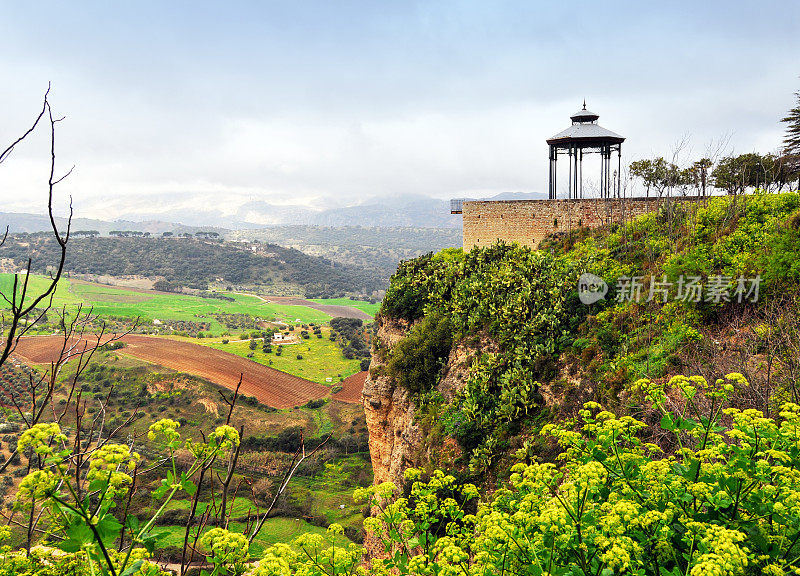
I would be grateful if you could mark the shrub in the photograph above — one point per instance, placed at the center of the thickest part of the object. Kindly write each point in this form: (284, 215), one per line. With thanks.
(417, 360)
(725, 504)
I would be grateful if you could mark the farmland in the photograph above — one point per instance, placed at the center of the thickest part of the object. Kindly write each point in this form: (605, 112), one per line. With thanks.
(320, 358)
(351, 388)
(368, 307)
(179, 366)
(110, 301)
(271, 387)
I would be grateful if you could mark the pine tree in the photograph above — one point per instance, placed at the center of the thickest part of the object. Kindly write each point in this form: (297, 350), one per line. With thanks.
(792, 139)
(791, 151)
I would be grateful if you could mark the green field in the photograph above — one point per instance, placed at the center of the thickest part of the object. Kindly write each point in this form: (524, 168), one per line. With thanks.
(362, 305)
(321, 358)
(275, 530)
(111, 301)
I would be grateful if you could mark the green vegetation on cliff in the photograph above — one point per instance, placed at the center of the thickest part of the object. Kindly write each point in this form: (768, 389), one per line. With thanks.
(741, 253)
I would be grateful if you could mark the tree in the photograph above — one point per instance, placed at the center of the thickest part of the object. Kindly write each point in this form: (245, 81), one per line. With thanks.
(735, 174)
(791, 143)
(20, 300)
(647, 170)
(660, 175)
(698, 174)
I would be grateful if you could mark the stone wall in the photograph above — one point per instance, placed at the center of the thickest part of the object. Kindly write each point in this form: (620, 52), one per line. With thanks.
(530, 221)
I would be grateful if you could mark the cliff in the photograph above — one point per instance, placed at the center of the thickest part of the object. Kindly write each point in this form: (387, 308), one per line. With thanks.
(397, 439)
(394, 436)
(506, 328)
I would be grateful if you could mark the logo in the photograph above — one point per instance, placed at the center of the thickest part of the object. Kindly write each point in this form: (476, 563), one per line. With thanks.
(591, 288)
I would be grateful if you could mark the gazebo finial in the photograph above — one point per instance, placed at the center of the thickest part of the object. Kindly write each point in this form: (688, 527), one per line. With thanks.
(584, 103)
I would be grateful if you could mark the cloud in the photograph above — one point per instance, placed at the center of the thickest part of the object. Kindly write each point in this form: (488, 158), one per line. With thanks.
(199, 107)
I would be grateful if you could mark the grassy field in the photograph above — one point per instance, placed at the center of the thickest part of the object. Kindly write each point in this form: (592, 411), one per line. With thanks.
(275, 530)
(330, 493)
(321, 358)
(362, 305)
(111, 301)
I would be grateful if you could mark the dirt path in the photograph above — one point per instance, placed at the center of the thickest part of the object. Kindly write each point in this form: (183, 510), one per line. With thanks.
(271, 387)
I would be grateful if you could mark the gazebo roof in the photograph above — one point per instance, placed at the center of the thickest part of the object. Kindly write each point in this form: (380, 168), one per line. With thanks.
(584, 115)
(585, 132)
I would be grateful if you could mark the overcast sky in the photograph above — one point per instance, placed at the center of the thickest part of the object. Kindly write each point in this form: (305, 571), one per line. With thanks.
(202, 105)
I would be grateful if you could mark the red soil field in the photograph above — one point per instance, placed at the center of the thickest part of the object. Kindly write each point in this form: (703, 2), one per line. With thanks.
(351, 388)
(271, 387)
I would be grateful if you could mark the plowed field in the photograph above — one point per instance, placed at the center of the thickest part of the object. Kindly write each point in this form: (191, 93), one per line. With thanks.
(329, 309)
(269, 386)
(351, 388)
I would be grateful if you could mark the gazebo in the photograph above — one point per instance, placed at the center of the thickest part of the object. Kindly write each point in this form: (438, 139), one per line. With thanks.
(586, 136)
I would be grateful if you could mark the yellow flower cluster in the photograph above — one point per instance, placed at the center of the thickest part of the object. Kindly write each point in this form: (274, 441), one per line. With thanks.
(40, 438)
(225, 437)
(724, 555)
(166, 428)
(105, 464)
(37, 485)
(225, 548)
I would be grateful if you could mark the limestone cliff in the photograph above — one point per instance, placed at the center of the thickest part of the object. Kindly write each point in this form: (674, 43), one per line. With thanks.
(396, 439)
(394, 436)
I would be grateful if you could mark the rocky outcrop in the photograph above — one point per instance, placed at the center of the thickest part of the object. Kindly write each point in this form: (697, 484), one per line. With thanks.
(394, 436)
(396, 440)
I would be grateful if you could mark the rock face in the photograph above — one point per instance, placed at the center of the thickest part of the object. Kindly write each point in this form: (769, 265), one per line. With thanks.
(396, 441)
(394, 437)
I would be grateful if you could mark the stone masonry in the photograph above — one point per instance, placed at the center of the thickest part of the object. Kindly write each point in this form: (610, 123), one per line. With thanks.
(530, 221)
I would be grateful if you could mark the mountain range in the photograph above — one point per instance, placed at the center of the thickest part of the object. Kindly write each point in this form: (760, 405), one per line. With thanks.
(414, 211)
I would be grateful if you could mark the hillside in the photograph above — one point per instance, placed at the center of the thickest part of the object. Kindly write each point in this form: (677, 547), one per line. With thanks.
(480, 350)
(197, 264)
(20, 222)
(370, 248)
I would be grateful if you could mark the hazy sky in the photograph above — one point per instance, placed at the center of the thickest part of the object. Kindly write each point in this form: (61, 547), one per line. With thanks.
(205, 106)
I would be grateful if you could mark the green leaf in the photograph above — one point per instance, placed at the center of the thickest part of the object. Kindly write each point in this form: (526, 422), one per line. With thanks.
(599, 455)
(78, 534)
(108, 528)
(133, 568)
(188, 485)
(149, 539)
(667, 423)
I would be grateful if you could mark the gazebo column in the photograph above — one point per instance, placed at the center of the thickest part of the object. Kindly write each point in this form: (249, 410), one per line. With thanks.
(602, 173)
(575, 195)
(569, 174)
